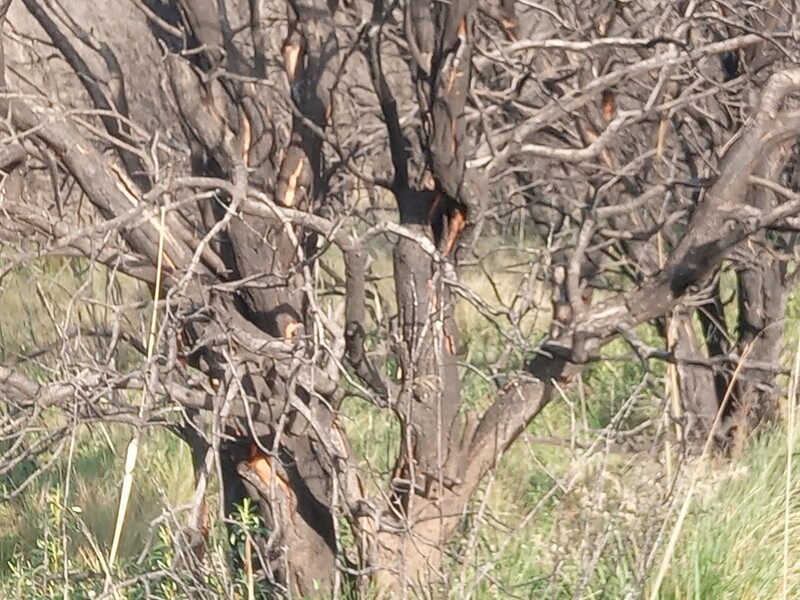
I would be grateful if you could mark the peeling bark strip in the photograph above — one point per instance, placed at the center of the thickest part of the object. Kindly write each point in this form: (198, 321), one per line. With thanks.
(431, 458)
(292, 489)
(311, 59)
(628, 181)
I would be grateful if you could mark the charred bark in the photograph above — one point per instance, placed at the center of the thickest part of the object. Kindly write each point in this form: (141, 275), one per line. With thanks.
(246, 224)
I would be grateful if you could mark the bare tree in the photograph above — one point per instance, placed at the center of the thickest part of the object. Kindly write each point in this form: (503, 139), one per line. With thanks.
(223, 152)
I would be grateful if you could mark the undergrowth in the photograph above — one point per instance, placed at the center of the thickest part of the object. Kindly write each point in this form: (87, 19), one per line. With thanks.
(578, 508)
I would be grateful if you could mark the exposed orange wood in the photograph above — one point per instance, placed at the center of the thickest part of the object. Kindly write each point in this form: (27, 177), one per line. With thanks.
(247, 137)
(125, 185)
(434, 206)
(458, 220)
(509, 27)
(259, 463)
(451, 347)
(462, 28)
(603, 24)
(291, 186)
(609, 107)
(132, 195)
(291, 330)
(291, 58)
(452, 79)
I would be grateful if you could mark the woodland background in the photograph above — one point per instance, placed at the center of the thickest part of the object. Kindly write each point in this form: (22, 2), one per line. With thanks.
(425, 299)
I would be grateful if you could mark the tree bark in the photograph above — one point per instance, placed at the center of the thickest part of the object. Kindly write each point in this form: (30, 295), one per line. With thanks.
(239, 257)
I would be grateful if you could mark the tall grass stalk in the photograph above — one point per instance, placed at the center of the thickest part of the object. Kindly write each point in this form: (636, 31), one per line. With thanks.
(789, 449)
(133, 445)
(676, 532)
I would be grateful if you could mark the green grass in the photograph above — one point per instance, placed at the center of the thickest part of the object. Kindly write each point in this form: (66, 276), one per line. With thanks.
(555, 521)
(164, 478)
(733, 547)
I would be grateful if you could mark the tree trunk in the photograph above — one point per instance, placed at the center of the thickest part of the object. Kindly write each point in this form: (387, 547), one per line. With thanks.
(697, 394)
(762, 294)
(239, 248)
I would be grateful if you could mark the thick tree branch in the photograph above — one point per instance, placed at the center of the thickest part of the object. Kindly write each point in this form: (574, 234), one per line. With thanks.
(721, 222)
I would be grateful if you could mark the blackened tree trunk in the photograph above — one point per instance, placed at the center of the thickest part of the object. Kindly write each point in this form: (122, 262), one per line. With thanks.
(469, 104)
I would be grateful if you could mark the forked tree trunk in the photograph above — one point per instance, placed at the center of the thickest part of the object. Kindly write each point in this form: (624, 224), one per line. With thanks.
(694, 408)
(283, 464)
(749, 398)
(239, 283)
(762, 293)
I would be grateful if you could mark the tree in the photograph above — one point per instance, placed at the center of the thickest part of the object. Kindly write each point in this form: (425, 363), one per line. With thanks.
(653, 147)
